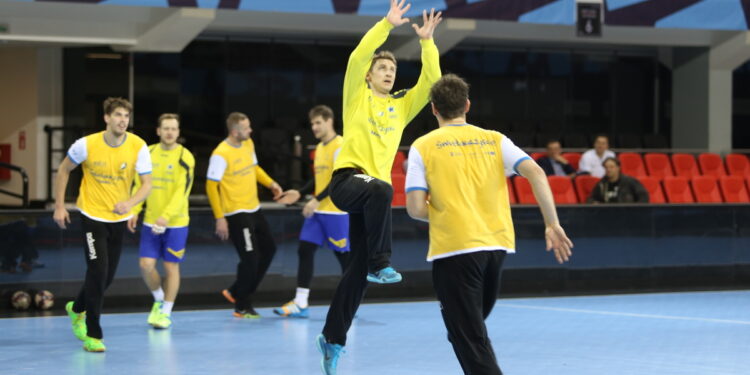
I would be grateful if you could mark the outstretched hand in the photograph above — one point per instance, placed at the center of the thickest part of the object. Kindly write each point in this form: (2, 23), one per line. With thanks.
(558, 242)
(396, 14)
(428, 25)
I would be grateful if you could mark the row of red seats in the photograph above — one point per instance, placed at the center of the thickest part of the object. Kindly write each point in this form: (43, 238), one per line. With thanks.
(673, 189)
(661, 165)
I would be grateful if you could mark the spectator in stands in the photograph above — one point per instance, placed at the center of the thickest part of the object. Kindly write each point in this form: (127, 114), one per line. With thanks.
(554, 164)
(592, 161)
(616, 187)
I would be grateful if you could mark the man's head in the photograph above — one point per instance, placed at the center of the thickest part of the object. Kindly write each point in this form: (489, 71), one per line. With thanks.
(382, 73)
(117, 115)
(601, 143)
(238, 126)
(450, 97)
(321, 122)
(612, 166)
(553, 148)
(168, 129)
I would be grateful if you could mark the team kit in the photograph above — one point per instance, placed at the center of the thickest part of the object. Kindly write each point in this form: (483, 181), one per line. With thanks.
(455, 181)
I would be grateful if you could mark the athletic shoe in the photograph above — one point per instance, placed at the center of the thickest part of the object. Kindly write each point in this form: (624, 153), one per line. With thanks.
(292, 310)
(77, 320)
(385, 276)
(248, 313)
(228, 296)
(155, 313)
(91, 344)
(330, 352)
(163, 321)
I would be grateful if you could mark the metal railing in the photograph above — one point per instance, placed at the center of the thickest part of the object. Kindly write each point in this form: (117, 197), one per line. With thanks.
(24, 196)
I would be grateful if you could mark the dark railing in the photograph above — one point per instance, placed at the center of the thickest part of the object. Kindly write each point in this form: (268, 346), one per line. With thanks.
(24, 196)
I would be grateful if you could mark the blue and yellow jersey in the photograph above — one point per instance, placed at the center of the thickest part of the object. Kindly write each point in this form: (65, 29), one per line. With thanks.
(171, 182)
(108, 173)
(237, 173)
(463, 170)
(372, 125)
(325, 155)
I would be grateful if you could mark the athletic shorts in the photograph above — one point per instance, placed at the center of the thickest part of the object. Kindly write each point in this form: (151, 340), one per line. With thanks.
(331, 229)
(169, 245)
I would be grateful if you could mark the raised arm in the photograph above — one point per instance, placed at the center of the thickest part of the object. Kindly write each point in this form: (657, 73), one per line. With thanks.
(417, 97)
(361, 57)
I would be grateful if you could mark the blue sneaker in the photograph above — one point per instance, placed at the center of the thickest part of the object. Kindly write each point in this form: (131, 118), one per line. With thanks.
(292, 310)
(385, 276)
(330, 352)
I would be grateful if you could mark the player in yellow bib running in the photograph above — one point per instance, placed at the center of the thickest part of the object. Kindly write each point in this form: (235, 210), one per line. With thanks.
(462, 168)
(232, 178)
(110, 160)
(165, 223)
(324, 222)
(374, 120)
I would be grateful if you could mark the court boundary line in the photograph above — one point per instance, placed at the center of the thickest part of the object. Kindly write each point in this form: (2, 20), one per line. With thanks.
(616, 313)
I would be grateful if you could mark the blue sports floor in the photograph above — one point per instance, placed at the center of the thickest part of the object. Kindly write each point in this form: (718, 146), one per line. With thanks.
(671, 333)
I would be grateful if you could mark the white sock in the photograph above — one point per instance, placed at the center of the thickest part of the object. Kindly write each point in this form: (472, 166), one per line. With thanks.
(158, 294)
(301, 298)
(166, 307)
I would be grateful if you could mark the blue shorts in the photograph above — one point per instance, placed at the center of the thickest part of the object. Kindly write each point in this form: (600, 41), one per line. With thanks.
(331, 229)
(169, 245)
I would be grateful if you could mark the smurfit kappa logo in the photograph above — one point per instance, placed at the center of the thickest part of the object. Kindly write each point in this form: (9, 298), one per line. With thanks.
(90, 242)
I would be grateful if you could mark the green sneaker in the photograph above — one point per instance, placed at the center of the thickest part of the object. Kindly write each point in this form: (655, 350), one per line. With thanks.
(91, 344)
(77, 320)
(153, 317)
(163, 321)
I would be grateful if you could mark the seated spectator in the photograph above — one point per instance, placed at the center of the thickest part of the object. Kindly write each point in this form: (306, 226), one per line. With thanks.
(592, 160)
(616, 187)
(554, 164)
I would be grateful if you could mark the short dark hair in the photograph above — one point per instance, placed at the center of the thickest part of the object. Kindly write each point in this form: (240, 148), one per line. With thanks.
(111, 104)
(617, 161)
(382, 55)
(550, 141)
(321, 110)
(168, 116)
(449, 95)
(601, 135)
(234, 118)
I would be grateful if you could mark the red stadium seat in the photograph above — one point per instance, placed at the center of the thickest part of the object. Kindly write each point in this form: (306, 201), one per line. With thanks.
(711, 165)
(734, 190)
(653, 186)
(511, 193)
(399, 195)
(523, 190)
(562, 190)
(398, 163)
(738, 165)
(584, 185)
(573, 158)
(706, 189)
(677, 190)
(685, 165)
(632, 164)
(658, 165)
(537, 155)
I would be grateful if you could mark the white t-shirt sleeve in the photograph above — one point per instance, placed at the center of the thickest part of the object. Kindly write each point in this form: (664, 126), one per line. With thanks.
(415, 173)
(512, 156)
(586, 164)
(255, 160)
(77, 153)
(336, 154)
(143, 163)
(216, 167)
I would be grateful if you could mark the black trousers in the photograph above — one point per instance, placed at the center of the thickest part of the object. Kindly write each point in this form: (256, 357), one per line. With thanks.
(102, 249)
(252, 239)
(467, 287)
(306, 252)
(368, 202)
